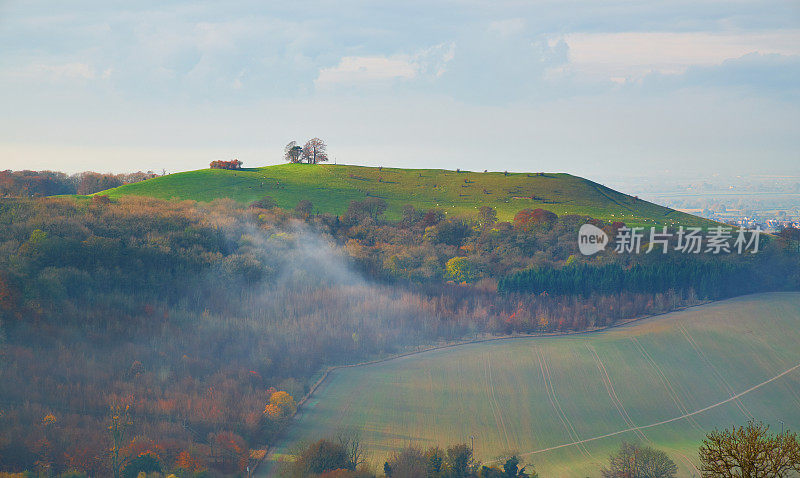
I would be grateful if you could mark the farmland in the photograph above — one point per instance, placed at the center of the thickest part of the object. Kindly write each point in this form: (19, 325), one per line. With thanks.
(331, 187)
(564, 403)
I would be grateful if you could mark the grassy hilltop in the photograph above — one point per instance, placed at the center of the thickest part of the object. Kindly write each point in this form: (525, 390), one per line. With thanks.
(331, 187)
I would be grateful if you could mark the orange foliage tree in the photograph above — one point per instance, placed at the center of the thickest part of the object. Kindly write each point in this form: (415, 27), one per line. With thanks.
(526, 219)
(191, 461)
(281, 405)
(231, 451)
(232, 164)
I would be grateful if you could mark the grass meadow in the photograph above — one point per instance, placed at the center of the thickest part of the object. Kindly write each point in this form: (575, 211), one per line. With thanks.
(331, 187)
(543, 397)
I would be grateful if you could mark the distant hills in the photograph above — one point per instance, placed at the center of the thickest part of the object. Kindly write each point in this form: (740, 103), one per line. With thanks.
(331, 188)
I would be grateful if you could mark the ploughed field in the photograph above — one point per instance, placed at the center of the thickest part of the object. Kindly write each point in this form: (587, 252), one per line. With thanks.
(331, 188)
(564, 403)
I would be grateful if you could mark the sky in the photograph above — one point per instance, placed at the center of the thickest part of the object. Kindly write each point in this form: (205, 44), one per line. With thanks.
(594, 88)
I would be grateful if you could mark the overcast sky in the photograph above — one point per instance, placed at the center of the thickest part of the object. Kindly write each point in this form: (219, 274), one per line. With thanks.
(587, 87)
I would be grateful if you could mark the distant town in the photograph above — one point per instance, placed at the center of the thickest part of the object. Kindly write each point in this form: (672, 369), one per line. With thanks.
(748, 220)
(769, 202)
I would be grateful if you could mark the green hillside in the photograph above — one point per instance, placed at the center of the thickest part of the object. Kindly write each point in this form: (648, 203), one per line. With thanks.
(564, 403)
(331, 187)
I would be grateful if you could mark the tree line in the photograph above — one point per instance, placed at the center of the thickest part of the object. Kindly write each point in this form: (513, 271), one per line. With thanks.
(709, 279)
(538, 253)
(51, 183)
(748, 451)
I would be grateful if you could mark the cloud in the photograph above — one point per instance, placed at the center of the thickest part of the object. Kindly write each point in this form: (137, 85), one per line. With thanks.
(56, 72)
(355, 70)
(630, 56)
(501, 68)
(68, 70)
(190, 81)
(764, 73)
(512, 26)
(433, 61)
(358, 69)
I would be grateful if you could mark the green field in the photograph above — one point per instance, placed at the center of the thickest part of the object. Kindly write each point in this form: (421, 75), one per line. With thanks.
(332, 187)
(539, 396)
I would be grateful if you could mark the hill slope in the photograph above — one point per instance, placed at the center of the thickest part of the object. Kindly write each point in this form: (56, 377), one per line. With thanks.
(331, 187)
(566, 402)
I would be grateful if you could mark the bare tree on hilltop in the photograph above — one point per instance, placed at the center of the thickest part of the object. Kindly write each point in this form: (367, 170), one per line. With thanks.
(315, 151)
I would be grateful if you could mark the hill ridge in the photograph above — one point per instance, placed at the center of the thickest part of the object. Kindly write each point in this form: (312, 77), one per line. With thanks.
(331, 187)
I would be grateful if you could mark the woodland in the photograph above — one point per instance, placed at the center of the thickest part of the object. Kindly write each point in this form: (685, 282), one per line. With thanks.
(174, 336)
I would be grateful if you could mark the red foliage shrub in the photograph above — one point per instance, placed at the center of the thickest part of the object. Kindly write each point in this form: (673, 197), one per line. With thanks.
(232, 164)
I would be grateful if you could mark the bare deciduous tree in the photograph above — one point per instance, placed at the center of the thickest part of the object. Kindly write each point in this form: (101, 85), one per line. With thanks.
(315, 151)
(351, 441)
(633, 461)
(749, 452)
(408, 463)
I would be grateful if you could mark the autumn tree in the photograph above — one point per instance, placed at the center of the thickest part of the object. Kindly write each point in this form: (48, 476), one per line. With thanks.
(220, 164)
(90, 182)
(527, 219)
(267, 202)
(191, 461)
(452, 232)
(749, 452)
(293, 152)
(281, 405)
(411, 215)
(432, 217)
(146, 463)
(368, 208)
(304, 208)
(321, 456)
(141, 445)
(633, 461)
(460, 270)
(232, 452)
(315, 151)
(488, 215)
(36, 183)
(45, 461)
(121, 421)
